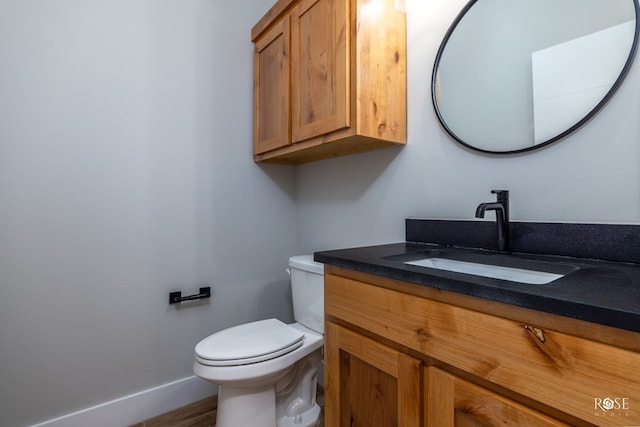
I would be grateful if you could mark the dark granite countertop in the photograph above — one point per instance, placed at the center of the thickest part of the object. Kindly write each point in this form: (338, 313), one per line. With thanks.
(596, 290)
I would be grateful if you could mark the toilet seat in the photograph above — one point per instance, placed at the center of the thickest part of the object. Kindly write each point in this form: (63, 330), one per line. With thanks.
(249, 343)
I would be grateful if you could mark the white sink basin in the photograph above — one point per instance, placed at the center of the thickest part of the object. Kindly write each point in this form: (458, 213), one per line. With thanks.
(531, 277)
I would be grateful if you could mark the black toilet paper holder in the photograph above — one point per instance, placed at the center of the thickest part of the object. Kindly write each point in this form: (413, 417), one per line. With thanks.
(176, 297)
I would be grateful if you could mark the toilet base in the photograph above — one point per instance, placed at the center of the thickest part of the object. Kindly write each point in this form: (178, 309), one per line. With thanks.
(256, 408)
(307, 419)
(287, 400)
(246, 407)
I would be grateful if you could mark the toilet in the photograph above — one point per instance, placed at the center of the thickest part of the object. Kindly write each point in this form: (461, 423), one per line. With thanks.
(267, 370)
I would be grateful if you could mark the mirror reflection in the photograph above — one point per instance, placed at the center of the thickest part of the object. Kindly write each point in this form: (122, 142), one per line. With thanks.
(511, 76)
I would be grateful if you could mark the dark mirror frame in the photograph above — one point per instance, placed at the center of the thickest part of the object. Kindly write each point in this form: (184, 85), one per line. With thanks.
(560, 136)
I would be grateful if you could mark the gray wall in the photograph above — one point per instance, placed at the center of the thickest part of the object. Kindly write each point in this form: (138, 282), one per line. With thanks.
(126, 172)
(592, 176)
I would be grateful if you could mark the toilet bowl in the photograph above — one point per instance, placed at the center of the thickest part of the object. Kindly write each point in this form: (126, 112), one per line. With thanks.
(267, 370)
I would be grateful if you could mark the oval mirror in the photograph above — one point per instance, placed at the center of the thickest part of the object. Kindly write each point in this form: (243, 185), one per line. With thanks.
(511, 76)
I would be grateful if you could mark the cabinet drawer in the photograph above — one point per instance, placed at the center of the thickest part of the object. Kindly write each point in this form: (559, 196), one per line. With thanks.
(451, 401)
(596, 382)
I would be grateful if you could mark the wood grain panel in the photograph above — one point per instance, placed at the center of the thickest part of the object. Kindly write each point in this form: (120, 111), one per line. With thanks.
(369, 384)
(271, 89)
(380, 71)
(372, 398)
(556, 369)
(453, 402)
(320, 65)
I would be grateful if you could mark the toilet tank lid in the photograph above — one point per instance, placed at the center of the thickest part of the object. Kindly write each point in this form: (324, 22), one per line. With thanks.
(306, 263)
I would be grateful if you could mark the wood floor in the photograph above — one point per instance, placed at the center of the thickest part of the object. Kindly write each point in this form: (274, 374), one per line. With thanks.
(200, 414)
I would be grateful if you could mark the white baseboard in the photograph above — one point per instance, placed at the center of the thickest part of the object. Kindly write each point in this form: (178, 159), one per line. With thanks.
(139, 406)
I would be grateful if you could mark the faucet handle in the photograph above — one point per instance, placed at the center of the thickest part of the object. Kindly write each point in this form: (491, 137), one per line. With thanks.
(502, 194)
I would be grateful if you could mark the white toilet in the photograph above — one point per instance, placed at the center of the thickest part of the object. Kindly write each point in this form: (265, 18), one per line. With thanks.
(267, 370)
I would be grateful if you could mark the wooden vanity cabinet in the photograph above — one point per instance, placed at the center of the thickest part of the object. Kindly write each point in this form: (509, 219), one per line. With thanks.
(329, 79)
(415, 356)
(376, 385)
(453, 402)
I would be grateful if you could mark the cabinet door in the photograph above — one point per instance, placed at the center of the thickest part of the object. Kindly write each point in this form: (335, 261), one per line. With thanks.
(271, 97)
(320, 35)
(368, 384)
(453, 402)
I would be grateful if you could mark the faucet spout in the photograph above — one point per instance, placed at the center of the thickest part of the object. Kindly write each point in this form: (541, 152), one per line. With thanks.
(501, 206)
(491, 206)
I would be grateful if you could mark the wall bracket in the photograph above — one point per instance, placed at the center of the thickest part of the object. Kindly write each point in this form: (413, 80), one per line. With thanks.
(176, 297)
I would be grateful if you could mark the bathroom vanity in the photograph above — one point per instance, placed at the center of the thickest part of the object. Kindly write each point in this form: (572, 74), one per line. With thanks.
(416, 346)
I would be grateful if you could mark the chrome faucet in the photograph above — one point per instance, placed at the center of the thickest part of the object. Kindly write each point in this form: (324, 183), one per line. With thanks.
(501, 206)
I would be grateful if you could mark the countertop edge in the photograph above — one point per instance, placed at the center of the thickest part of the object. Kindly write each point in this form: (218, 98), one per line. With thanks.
(370, 260)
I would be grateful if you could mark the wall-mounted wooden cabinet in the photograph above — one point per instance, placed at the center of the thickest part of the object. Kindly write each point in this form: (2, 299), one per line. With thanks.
(398, 354)
(329, 79)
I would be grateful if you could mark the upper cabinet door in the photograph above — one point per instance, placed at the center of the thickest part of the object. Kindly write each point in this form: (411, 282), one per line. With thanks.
(271, 97)
(320, 33)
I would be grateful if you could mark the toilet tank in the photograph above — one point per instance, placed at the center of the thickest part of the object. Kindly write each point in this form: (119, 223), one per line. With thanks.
(307, 290)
